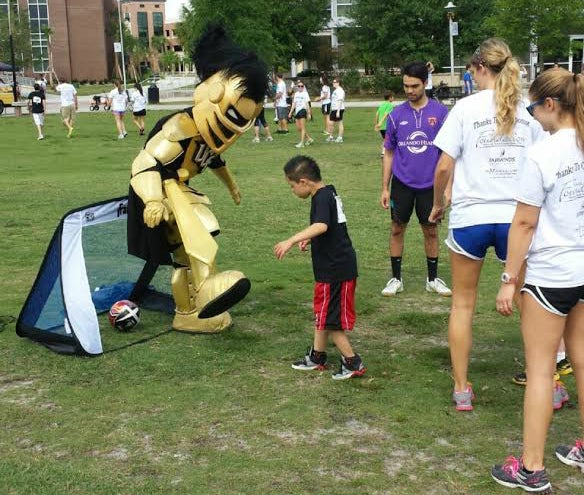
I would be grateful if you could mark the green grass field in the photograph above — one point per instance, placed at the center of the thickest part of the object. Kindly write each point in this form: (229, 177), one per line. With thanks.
(226, 414)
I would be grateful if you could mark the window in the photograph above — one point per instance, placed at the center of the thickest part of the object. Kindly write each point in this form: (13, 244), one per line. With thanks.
(143, 35)
(38, 12)
(344, 8)
(158, 23)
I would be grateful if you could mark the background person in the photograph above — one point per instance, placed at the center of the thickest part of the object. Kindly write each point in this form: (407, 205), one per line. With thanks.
(409, 162)
(429, 84)
(484, 143)
(301, 110)
(381, 115)
(117, 100)
(548, 228)
(139, 107)
(337, 112)
(325, 103)
(467, 79)
(281, 105)
(37, 105)
(334, 263)
(261, 121)
(69, 105)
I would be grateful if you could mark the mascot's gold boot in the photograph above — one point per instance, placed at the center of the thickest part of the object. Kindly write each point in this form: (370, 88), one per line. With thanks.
(166, 215)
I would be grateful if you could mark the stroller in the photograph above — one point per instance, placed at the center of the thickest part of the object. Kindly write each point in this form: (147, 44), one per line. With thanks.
(98, 100)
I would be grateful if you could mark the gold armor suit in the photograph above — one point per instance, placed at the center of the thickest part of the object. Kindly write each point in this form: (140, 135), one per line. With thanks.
(188, 142)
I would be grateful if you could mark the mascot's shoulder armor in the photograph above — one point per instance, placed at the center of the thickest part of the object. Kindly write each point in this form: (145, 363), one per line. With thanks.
(178, 127)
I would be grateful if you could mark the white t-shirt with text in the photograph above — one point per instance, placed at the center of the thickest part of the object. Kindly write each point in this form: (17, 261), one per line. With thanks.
(487, 164)
(553, 179)
(301, 100)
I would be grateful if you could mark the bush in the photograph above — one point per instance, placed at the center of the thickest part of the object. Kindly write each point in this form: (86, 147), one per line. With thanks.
(351, 81)
(383, 80)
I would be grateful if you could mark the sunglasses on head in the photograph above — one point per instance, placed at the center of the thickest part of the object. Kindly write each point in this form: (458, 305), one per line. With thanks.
(531, 108)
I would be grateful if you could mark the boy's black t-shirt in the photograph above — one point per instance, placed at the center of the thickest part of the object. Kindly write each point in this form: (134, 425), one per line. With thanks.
(333, 256)
(36, 98)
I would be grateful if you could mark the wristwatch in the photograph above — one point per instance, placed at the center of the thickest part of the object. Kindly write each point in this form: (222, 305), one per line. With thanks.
(508, 279)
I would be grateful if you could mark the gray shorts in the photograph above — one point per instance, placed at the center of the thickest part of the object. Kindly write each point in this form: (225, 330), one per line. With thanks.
(282, 113)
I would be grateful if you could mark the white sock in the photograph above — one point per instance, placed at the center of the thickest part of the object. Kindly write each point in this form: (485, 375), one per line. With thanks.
(560, 356)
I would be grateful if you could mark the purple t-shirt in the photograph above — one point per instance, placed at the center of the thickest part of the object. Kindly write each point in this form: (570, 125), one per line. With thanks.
(410, 134)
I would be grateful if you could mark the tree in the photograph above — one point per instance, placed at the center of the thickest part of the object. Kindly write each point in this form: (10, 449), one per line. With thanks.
(169, 60)
(157, 44)
(277, 31)
(546, 23)
(20, 37)
(388, 34)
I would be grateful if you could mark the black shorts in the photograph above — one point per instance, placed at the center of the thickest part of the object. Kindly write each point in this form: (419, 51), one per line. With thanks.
(140, 113)
(325, 108)
(403, 200)
(334, 118)
(382, 132)
(556, 300)
(261, 119)
(301, 114)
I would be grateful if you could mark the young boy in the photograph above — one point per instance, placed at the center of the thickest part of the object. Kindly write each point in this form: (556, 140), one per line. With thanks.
(334, 263)
(381, 116)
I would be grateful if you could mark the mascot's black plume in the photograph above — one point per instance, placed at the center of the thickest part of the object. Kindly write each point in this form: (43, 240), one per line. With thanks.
(216, 52)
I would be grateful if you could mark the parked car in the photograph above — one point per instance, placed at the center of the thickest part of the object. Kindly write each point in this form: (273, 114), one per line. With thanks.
(6, 96)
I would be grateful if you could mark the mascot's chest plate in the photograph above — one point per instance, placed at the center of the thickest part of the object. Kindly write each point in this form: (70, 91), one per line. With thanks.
(197, 157)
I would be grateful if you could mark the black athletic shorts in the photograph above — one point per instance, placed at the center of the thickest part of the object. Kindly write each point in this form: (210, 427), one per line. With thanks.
(325, 108)
(301, 114)
(140, 113)
(260, 119)
(333, 116)
(556, 300)
(403, 200)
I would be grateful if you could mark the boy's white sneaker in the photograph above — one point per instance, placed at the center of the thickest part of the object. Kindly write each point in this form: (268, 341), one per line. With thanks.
(437, 285)
(269, 139)
(255, 140)
(393, 287)
(339, 140)
(330, 139)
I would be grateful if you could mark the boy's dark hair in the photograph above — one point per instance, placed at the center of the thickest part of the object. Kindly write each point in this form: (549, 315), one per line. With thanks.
(37, 86)
(388, 94)
(417, 70)
(302, 167)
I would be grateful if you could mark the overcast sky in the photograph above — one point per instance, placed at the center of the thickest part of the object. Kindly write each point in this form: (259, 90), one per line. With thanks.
(173, 8)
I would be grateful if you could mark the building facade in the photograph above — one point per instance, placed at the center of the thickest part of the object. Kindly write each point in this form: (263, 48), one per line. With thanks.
(82, 32)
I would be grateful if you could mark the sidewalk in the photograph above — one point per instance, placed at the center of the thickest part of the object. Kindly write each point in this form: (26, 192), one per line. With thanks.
(54, 105)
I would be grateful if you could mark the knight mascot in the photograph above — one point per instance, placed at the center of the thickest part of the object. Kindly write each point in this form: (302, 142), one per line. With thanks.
(169, 222)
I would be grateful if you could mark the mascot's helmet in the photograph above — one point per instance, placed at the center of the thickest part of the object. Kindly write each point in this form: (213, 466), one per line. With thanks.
(221, 111)
(231, 94)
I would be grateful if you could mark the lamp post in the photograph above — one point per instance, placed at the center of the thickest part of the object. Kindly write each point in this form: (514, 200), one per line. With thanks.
(122, 42)
(12, 60)
(452, 31)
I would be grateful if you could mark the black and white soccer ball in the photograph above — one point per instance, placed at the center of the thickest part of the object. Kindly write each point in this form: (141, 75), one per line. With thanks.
(124, 315)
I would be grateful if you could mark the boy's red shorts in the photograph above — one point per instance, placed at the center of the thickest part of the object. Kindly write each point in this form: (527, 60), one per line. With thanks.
(334, 305)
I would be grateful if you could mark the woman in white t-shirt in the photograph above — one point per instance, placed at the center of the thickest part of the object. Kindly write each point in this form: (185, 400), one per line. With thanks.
(301, 110)
(484, 143)
(325, 102)
(548, 228)
(139, 102)
(117, 99)
(337, 111)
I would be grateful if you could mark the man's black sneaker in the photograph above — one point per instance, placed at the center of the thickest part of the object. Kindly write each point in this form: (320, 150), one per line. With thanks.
(521, 378)
(314, 360)
(512, 474)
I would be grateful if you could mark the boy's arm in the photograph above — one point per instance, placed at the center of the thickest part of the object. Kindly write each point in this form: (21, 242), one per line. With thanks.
(310, 232)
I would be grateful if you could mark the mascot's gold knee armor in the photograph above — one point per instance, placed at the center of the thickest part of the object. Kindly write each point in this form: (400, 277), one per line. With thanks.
(165, 215)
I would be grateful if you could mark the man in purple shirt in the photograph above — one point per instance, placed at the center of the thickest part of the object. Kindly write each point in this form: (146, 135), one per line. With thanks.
(409, 162)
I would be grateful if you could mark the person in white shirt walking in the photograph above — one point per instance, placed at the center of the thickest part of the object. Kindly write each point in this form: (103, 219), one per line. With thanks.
(337, 111)
(281, 105)
(139, 107)
(325, 102)
(69, 105)
(118, 101)
(301, 110)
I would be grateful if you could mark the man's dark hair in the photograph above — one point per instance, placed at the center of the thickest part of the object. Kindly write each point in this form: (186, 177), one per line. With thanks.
(417, 70)
(302, 167)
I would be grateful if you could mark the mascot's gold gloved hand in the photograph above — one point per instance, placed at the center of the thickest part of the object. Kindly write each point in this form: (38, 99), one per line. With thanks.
(154, 212)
